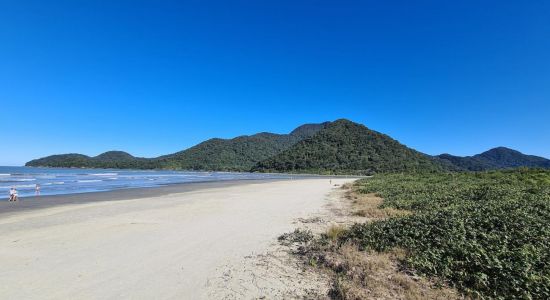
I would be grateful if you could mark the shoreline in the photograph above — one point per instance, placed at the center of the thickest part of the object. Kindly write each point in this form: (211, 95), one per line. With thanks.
(42, 202)
(34, 202)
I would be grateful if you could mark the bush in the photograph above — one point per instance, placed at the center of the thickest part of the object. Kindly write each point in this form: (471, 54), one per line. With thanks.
(486, 233)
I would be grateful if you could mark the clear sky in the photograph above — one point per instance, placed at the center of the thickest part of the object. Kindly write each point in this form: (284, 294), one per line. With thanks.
(155, 77)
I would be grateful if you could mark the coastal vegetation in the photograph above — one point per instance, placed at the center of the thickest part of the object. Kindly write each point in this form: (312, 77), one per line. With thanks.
(485, 234)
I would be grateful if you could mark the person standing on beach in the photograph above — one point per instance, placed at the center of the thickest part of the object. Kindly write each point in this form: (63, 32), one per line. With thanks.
(13, 194)
(37, 189)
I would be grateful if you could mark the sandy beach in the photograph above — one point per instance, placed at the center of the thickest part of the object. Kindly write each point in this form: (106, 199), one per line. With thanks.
(155, 247)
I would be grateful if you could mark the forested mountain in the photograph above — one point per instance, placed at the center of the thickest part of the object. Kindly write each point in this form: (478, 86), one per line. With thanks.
(496, 158)
(339, 147)
(237, 154)
(345, 147)
(110, 159)
(61, 161)
(308, 130)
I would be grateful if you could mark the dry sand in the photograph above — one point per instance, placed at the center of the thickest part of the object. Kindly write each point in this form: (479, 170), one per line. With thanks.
(175, 246)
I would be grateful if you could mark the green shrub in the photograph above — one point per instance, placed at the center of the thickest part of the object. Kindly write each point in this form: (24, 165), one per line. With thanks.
(486, 233)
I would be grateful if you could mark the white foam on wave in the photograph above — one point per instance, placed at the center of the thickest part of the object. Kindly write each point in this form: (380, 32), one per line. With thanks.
(104, 174)
(25, 186)
(22, 179)
(90, 180)
(18, 186)
(5, 175)
(51, 183)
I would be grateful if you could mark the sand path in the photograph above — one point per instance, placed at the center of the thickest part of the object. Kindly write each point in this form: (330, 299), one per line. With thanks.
(164, 247)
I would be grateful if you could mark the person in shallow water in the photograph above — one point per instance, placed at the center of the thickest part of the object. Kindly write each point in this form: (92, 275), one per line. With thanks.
(13, 194)
(37, 190)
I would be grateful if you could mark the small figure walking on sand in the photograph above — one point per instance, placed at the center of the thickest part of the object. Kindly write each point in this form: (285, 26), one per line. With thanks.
(13, 194)
(37, 189)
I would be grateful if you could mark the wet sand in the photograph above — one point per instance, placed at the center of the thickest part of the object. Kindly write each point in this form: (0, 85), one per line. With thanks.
(41, 202)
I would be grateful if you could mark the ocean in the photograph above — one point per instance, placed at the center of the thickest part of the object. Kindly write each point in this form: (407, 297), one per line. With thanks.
(56, 181)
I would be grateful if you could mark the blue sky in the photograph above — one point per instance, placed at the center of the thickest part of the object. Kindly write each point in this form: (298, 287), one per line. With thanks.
(155, 77)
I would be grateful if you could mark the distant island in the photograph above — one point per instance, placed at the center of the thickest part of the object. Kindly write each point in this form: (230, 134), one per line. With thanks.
(339, 147)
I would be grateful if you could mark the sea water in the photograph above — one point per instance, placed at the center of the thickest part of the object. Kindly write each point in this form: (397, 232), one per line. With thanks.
(54, 181)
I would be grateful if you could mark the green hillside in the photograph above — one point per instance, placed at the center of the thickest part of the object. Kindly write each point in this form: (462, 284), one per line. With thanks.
(339, 147)
(496, 158)
(237, 154)
(110, 159)
(346, 147)
(71, 160)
